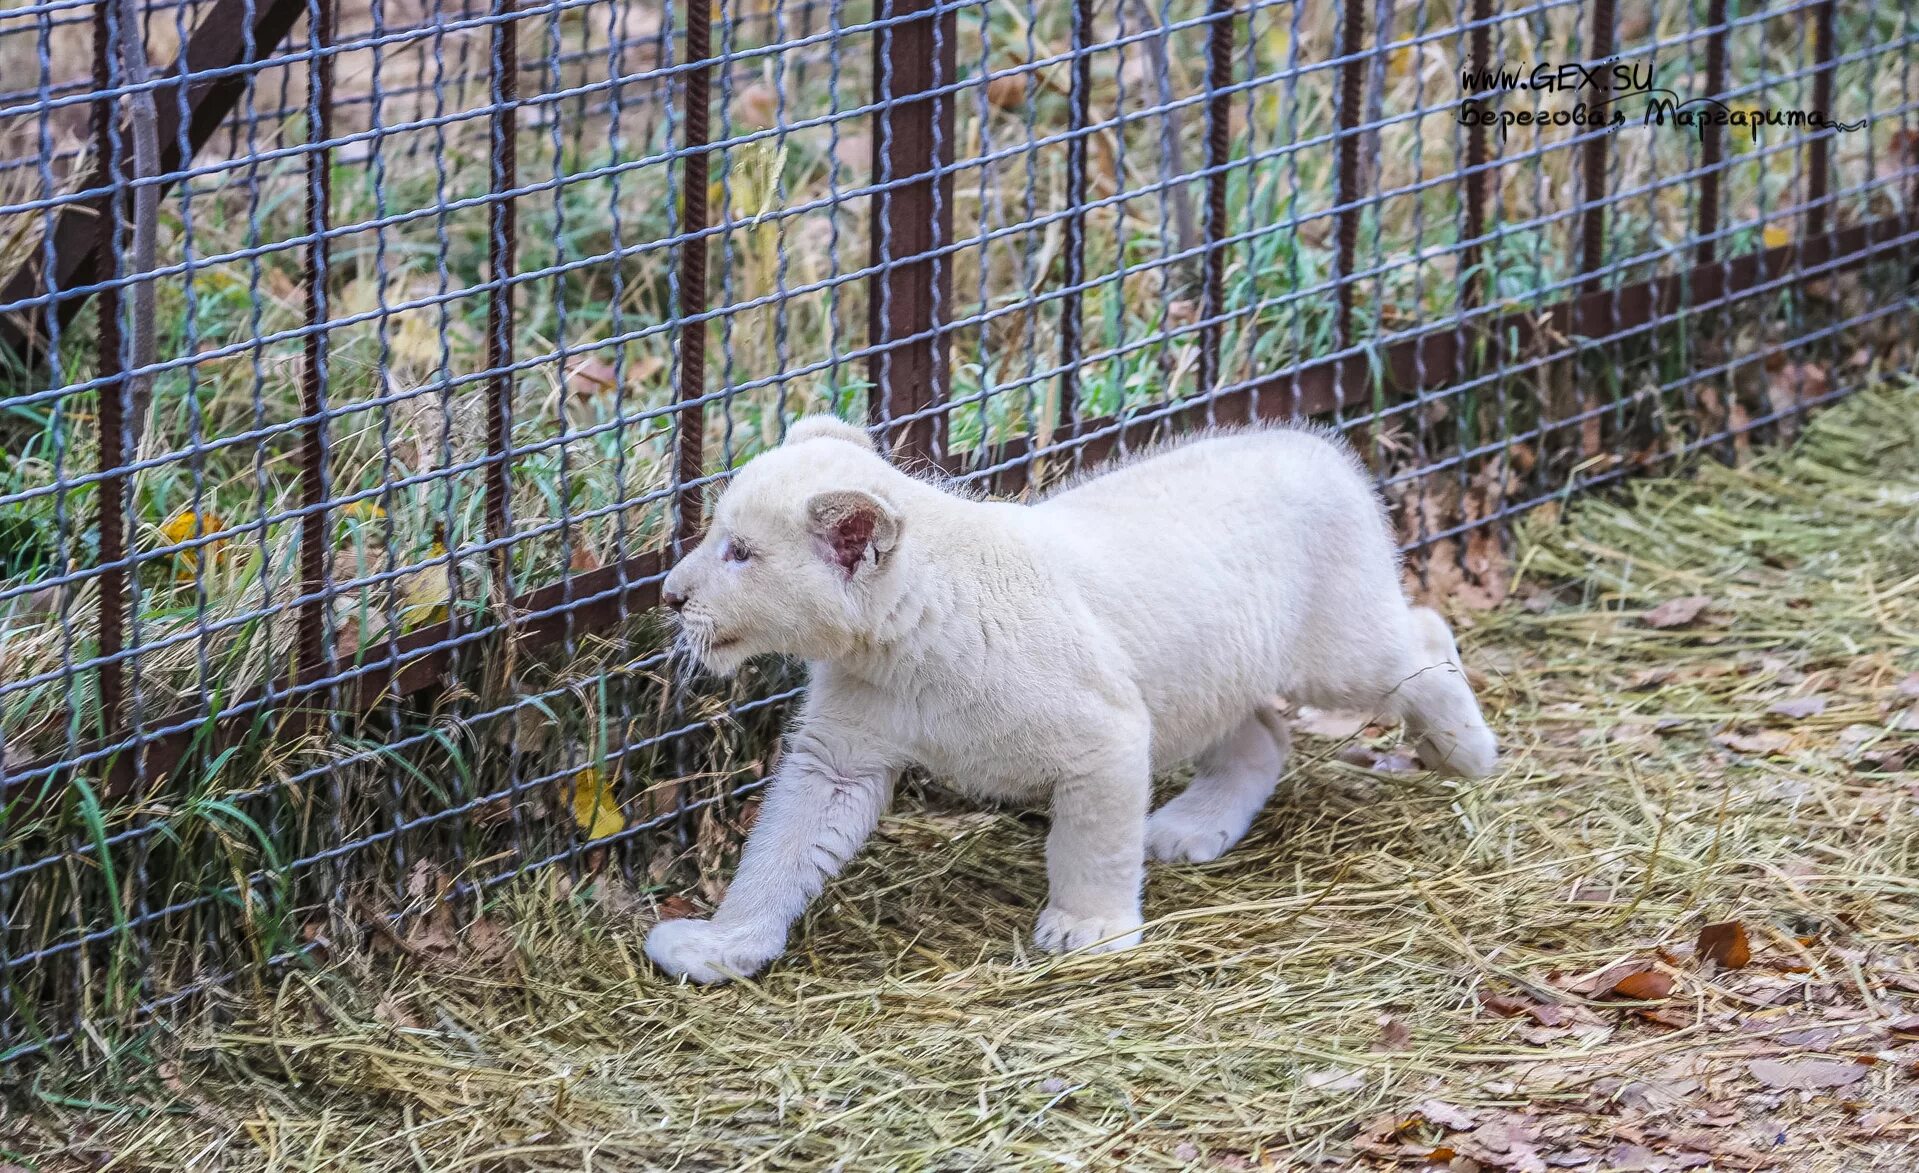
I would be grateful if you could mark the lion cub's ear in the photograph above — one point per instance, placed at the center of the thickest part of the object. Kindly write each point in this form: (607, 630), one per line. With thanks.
(852, 527)
(827, 427)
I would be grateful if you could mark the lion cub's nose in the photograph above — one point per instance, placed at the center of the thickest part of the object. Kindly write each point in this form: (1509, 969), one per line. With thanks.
(673, 599)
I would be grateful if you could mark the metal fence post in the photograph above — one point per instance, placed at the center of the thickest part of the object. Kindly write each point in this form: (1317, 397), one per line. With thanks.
(689, 456)
(911, 291)
(1219, 77)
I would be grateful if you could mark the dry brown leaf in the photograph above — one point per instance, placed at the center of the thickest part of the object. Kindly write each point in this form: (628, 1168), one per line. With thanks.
(1725, 944)
(1799, 706)
(1763, 741)
(1604, 981)
(677, 908)
(1676, 612)
(583, 559)
(1445, 1115)
(1645, 986)
(1007, 92)
(591, 375)
(1909, 686)
(1806, 1074)
(1394, 1034)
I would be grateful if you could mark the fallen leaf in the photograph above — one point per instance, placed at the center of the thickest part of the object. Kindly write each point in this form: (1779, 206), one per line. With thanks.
(1632, 1157)
(1334, 1079)
(592, 375)
(426, 593)
(677, 908)
(1394, 1034)
(1504, 1005)
(1905, 1024)
(1645, 986)
(1676, 612)
(1603, 981)
(594, 807)
(1445, 1115)
(1776, 235)
(1909, 686)
(1805, 1074)
(1761, 742)
(1725, 944)
(583, 559)
(1008, 91)
(1799, 706)
(187, 525)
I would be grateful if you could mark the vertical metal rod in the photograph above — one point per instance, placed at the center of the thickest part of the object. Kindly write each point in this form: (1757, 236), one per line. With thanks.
(1478, 178)
(1352, 81)
(1219, 77)
(911, 289)
(113, 395)
(1079, 107)
(502, 242)
(313, 384)
(694, 126)
(1596, 146)
(1819, 150)
(1711, 139)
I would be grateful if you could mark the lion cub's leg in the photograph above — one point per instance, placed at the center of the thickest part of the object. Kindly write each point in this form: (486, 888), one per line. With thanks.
(1442, 717)
(1095, 861)
(1234, 780)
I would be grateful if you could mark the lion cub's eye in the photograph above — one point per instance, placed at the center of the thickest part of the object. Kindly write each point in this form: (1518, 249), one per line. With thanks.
(735, 551)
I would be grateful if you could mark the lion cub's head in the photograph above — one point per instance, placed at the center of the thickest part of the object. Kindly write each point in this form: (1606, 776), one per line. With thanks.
(801, 546)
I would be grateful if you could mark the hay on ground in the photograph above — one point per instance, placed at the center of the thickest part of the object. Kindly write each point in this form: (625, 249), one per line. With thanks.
(1709, 693)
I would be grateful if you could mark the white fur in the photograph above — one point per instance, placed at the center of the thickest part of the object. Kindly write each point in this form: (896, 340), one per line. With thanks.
(1066, 650)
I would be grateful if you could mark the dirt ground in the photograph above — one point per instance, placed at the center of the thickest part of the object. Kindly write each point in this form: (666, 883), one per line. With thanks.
(1675, 931)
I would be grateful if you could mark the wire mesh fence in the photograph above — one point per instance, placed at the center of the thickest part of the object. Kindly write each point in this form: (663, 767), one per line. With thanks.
(365, 363)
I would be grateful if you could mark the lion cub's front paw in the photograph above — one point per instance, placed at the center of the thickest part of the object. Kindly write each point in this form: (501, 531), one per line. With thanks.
(705, 952)
(1062, 932)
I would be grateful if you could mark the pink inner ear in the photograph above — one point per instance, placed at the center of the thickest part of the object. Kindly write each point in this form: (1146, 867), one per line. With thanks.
(851, 535)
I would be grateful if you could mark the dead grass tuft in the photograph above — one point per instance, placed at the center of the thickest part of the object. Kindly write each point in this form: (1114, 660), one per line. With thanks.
(1393, 971)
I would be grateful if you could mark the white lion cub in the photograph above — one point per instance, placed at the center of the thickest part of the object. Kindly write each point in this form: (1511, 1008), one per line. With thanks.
(1064, 650)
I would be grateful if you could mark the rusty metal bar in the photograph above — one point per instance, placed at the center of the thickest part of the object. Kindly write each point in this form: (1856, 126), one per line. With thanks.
(113, 397)
(219, 43)
(604, 596)
(1819, 150)
(1592, 220)
(502, 244)
(1079, 113)
(1711, 138)
(1352, 93)
(313, 382)
(1478, 177)
(694, 129)
(914, 53)
(1219, 77)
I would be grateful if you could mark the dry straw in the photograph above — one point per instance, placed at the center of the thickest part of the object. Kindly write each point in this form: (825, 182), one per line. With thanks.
(1334, 990)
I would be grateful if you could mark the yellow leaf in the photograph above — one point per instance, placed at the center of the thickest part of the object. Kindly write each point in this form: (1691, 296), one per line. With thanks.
(368, 510)
(186, 526)
(426, 593)
(1777, 236)
(594, 807)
